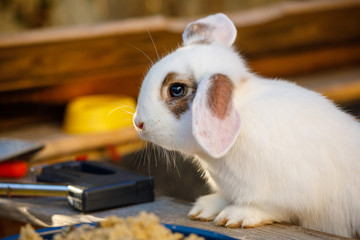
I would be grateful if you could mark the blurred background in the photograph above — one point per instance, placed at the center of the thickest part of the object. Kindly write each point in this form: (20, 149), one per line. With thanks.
(54, 51)
(19, 15)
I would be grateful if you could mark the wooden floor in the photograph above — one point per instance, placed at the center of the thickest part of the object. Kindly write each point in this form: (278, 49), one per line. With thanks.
(56, 212)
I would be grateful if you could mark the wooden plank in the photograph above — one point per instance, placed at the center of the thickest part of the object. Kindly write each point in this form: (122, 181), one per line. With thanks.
(63, 62)
(111, 82)
(295, 26)
(339, 85)
(264, 16)
(56, 212)
(306, 61)
(69, 144)
(83, 32)
(58, 143)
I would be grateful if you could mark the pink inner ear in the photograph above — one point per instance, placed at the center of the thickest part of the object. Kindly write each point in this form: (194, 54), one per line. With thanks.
(217, 27)
(216, 123)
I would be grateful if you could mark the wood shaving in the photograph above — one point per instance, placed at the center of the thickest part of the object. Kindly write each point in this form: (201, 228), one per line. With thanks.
(145, 226)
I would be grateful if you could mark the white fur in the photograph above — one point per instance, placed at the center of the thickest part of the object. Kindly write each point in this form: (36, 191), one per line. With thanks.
(296, 158)
(209, 206)
(296, 155)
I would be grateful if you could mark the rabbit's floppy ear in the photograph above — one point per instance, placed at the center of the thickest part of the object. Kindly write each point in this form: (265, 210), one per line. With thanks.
(217, 27)
(215, 121)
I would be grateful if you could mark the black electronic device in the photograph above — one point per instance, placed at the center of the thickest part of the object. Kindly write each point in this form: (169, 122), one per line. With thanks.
(99, 185)
(88, 185)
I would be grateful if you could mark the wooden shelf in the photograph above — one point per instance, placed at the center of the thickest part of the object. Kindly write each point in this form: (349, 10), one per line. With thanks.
(340, 85)
(281, 40)
(60, 145)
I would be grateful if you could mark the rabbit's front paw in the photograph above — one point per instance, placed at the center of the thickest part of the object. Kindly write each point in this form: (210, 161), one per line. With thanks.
(207, 207)
(247, 217)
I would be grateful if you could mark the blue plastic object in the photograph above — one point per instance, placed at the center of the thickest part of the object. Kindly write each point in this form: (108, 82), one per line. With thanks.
(48, 233)
(208, 235)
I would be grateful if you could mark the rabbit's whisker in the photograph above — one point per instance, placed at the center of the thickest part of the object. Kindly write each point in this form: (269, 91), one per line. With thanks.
(152, 40)
(121, 107)
(174, 162)
(147, 56)
(124, 105)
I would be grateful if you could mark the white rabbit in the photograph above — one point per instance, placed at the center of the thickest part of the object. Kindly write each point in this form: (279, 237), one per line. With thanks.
(272, 151)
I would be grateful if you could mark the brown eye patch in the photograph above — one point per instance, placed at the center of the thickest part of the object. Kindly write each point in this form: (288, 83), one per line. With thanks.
(177, 91)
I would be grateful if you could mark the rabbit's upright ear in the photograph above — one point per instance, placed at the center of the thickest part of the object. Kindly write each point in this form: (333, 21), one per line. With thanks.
(213, 28)
(215, 121)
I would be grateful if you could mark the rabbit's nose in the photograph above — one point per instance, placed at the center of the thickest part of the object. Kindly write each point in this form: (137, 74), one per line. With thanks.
(140, 125)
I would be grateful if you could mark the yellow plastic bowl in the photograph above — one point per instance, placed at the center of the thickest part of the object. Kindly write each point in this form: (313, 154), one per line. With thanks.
(98, 113)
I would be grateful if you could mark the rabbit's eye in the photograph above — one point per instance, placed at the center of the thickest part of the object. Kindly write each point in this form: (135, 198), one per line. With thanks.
(177, 90)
